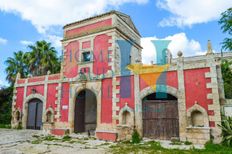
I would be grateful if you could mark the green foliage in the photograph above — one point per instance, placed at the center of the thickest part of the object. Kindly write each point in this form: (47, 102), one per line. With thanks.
(50, 138)
(5, 105)
(227, 131)
(8, 126)
(188, 143)
(176, 142)
(16, 64)
(154, 147)
(226, 26)
(136, 137)
(41, 58)
(217, 148)
(66, 138)
(227, 76)
(36, 142)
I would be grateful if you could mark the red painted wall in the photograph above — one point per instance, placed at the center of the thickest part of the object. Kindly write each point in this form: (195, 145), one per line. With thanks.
(36, 79)
(54, 77)
(19, 98)
(88, 28)
(101, 45)
(51, 93)
(86, 44)
(65, 101)
(39, 89)
(106, 101)
(106, 136)
(20, 81)
(71, 60)
(195, 87)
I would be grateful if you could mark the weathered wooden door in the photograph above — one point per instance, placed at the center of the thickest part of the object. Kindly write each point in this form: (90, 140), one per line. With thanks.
(160, 119)
(35, 111)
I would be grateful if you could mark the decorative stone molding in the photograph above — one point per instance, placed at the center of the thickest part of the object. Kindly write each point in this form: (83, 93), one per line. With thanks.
(75, 88)
(194, 108)
(115, 100)
(49, 115)
(130, 121)
(216, 95)
(168, 89)
(16, 118)
(17, 115)
(25, 108)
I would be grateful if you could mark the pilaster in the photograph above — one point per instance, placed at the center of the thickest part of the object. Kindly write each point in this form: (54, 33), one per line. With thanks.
(181, 98)
(214, 85)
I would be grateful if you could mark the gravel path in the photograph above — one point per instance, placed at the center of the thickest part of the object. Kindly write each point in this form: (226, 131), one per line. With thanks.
(20, 142)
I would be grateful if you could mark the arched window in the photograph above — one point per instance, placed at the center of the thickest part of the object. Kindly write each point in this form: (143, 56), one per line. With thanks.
(197, 119)
(125, 118)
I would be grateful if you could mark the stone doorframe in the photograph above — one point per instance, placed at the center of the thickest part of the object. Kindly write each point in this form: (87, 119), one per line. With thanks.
(25, 108)
(76, 88)
(169, 90)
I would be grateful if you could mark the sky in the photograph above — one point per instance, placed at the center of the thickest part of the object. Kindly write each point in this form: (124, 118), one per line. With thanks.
(189, 24)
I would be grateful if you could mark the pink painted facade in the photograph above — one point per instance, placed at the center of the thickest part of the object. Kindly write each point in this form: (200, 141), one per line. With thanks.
(193, 86)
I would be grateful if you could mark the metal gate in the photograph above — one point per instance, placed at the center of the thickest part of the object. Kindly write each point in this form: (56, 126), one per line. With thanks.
(34, 118)
(160, 119)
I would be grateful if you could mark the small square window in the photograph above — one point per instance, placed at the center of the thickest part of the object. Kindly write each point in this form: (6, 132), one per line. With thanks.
(86, 56)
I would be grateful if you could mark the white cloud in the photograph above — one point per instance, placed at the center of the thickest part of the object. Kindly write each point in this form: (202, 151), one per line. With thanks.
(3, 41)
(189, 12)
(55, 40)
(26, 43)
(179, 42)
(44, 13)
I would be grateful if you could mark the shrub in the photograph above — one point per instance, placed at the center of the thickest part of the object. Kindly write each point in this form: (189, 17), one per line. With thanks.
(136, 137)
(227, 131)
(66, 138)
(188, 143)
(50, 138)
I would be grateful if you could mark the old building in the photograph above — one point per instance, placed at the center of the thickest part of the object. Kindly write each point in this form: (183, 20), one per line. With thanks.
(96, 93)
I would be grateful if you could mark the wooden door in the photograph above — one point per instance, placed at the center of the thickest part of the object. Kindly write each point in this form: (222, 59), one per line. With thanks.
(35, 111)
(160, 119)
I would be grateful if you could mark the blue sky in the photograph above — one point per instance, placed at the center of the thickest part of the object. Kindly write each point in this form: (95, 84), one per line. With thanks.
(188, 23)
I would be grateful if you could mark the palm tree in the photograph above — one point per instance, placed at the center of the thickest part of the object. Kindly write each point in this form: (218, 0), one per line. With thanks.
(16, 64)
(43, 58)
(226, 27)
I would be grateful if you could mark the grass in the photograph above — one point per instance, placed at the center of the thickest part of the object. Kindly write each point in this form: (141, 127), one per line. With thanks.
(153, 147)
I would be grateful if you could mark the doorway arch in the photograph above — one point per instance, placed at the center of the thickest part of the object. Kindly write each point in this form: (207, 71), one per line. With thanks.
(160, 116)
(35, 114)
(85, 114)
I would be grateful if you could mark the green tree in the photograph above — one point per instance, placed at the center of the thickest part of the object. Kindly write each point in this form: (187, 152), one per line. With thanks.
(5, 105)
(42, 58)
(16, 64)
(226, 26)
(227, 76)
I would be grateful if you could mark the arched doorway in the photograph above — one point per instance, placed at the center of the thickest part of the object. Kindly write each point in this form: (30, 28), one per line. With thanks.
(160, 116)
(35, 111)
(85, 119)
